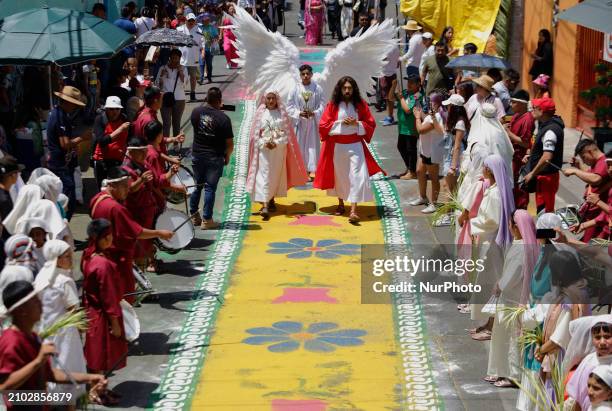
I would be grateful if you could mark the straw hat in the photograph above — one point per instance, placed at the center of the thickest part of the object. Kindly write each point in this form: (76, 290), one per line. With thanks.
(485, 82)
(71, 95)
(411, 25)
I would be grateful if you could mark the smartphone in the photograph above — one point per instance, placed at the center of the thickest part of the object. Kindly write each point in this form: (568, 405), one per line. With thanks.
(228, 107)
(546, 233)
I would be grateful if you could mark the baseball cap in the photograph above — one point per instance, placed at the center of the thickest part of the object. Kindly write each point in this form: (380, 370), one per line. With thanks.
(544, 104)
(191, 16)
(9, 165)
(113, 102)
(455, 100)
(427, 35)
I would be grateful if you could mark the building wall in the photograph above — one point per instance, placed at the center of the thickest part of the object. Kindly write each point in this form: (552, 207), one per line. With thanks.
(538, 15)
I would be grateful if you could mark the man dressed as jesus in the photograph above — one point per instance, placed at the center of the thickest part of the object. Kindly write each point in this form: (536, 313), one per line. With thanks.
(346, 164)
(305, 106)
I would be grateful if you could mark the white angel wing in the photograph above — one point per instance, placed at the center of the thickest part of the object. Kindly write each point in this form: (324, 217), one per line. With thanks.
(268, 61)
(360, 57)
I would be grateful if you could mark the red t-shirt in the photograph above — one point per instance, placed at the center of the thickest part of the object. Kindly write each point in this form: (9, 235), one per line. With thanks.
(522, 125)
(114, 150)
(600, 168)
(17, 349)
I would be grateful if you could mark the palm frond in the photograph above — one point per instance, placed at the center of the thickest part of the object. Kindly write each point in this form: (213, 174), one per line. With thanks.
(540, 395)
(534, 336)
(449, 206)
(502, 27)
(512, 315)
(75, 318)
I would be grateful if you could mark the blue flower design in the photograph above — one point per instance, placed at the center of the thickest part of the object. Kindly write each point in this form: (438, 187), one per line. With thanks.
(287, 336)
(305, 248)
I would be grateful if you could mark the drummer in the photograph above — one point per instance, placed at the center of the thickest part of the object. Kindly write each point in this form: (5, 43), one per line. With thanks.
(141, 200)
(108, 204)
(155, 162)
(148, 113)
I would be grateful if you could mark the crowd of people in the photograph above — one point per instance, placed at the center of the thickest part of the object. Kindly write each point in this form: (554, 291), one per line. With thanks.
(481, 145)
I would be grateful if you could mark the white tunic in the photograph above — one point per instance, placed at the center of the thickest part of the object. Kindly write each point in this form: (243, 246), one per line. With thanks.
(55, 301)
(307, 129)
(271, 175)
(485, 226)
(504, 357)
(352, 180)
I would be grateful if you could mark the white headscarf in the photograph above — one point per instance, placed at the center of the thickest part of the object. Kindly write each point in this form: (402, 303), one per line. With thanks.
(47, 211)
(12, 273)
(580, 344)
(487, 131)
(28, 196)
(25, 225)
(51, 185)
(39, 172)
(52, 250)
(604, 372)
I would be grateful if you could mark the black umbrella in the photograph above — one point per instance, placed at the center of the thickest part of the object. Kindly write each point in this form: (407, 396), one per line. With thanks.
(164, 38)
(478, 61)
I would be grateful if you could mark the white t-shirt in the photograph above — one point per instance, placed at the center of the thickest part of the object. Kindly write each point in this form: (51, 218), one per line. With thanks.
(166, 83)
(391, 66)
(144, 24)
(549, 141)
(191, 55)
(416, 48)
(126, 83)
(431, 142)
(460, 125)
(475, 102)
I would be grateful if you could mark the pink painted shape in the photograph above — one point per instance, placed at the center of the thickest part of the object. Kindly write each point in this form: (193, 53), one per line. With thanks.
(315, 220)
(313, 63)
(305, 295)
(298, 405)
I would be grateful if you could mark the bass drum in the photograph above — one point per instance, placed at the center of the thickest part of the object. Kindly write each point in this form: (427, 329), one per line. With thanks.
(184, 176)
(170, 219)
(131, 323)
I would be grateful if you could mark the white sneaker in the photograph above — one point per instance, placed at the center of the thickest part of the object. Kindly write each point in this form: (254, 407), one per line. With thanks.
(431, 208)
(418, 202)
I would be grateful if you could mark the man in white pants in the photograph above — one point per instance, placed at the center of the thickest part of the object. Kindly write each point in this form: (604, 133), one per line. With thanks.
(190, 57)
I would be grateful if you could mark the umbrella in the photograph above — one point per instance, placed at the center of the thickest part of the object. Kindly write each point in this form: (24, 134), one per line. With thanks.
(478, 61)
(56, 35)
(594, 14)
(164, 38)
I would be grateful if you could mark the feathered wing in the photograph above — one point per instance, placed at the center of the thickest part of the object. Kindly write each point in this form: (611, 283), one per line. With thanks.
(268, 61)
(360, 57)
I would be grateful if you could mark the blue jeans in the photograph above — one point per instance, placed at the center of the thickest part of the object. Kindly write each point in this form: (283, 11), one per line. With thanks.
(207, 170)
(67, 177)
(206, 63)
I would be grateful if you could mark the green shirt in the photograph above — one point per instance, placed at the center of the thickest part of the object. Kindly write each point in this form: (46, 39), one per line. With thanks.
(406, 123)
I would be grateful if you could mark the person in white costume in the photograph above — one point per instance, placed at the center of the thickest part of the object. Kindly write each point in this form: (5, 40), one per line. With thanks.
(305, 106)
(275, 161)
(346, 164)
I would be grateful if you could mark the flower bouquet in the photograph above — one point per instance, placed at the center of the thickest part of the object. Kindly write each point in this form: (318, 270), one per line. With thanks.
(271, 136)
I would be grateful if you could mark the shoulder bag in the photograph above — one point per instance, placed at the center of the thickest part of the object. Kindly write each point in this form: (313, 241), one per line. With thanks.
(168, 99)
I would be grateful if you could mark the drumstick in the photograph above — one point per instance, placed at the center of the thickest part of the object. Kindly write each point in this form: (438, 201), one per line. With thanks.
(555, 166)
(150, 291)
(115, 365)
(184, 222)
(64, 370)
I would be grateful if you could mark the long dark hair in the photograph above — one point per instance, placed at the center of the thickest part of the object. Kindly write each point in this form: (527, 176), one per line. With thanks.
(456, 113)
(337, 97)
(443, 35)
(547, 40)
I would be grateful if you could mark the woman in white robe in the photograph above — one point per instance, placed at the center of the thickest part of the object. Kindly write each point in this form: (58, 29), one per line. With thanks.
(305, 106)
(275, 162)
(512, 289)
(58, 296)
(492, 226)
(26, 199)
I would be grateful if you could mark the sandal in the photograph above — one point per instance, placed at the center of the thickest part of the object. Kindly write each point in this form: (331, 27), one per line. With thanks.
(482, 336)
(465, 310)
(340, 210)
(491, 379)
(272, 206)
(264, 213)
(505, 383)
(354, 218)
(102, 399)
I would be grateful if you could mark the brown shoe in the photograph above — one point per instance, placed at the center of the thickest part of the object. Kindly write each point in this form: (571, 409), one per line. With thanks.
(209, 225)
(196, 219)
(408, 176)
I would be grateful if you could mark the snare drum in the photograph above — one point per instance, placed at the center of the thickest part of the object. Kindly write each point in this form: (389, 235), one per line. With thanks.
(141, 279)
(131, 323)
(184, 176)
(170, 219)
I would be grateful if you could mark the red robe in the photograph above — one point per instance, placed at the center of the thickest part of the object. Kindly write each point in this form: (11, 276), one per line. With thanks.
(157, 165)
(17, 349)
(101, 298)
(144, 117)
(125, 233)
(324, 178)
(142, 204)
